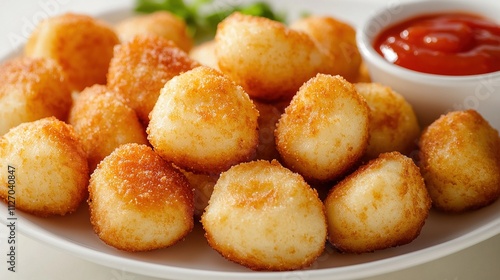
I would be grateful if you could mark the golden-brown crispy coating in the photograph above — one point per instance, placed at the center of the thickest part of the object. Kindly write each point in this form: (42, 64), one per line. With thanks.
(203, 122)
(204, 53)
(103, 122)
(269, 60)
(265, 217)
(51, 171)
(139, 202)
(159, 23)
(393, 123)
(460, 161)
(31, 89)
(383, 204)
(141, 67)
(338, 39)
(324, 130)
(81, 44)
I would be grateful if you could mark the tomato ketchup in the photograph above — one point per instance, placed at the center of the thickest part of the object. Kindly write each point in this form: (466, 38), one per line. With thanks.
(446, 44)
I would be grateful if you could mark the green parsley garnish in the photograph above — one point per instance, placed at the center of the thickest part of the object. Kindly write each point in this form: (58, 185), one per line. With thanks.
(202, 16)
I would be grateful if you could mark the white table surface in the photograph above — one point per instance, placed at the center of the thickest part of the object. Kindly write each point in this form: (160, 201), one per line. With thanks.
(36, 260)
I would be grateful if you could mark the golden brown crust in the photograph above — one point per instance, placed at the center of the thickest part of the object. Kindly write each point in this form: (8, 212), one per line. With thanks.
(141, 67)
(152, 202)
(31, 89)
(460, 161)
(103, 122)
(159, 23)
(204, 53)
(336, 38)
(81, 44)
(265, 217)
(145, 179)
(51, 167)
(203, 122)
(382, 204)
(276, 60)
(324, 130)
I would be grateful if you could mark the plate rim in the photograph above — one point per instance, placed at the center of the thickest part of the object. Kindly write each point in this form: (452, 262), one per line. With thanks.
(370, 269)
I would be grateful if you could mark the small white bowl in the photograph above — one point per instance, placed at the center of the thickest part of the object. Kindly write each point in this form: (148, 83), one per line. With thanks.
(431, 95)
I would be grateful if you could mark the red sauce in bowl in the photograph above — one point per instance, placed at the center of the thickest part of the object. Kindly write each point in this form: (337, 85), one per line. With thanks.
(446, 44)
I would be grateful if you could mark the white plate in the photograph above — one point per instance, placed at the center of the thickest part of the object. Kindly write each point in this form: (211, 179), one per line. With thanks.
(194, 259)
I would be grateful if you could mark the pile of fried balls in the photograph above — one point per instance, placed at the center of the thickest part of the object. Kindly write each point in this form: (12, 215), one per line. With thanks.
(270, 135)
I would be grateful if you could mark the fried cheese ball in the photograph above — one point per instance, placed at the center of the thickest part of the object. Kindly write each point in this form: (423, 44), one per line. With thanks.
(138, 201)
(204, 53)
(383, 204)
(460, 161)
(324, 130)
(160, 23)
(269, 60)
(81, 44)
(103, 122)
(141, 67)
(393, 123)
(338, 39)
(265, 217)
(203, 122)
(31, 89)
(50, 171)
